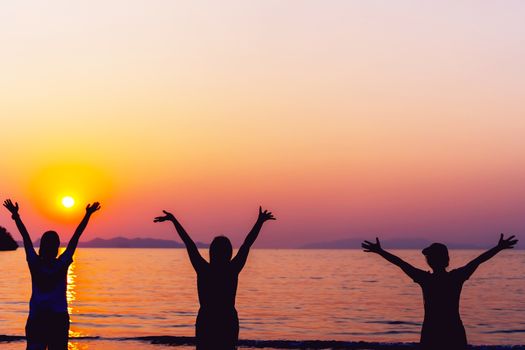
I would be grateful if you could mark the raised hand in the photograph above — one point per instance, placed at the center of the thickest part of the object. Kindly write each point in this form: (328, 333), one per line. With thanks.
(167, 217)
(28, 244)
(370, 247)
(91, 208)
(508, 243)
(13, 208)
(265, 215)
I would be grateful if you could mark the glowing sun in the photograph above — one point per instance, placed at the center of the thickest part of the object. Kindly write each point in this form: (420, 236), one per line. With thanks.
(68, 201)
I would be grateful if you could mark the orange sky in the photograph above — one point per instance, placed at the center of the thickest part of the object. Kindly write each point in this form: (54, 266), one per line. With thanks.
(347, 119)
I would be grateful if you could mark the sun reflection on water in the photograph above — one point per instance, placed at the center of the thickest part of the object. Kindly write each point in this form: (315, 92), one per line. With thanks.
(77, 346)
(71, 296)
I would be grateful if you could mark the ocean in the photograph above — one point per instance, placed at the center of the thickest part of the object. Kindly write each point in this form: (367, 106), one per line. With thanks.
(121, 295)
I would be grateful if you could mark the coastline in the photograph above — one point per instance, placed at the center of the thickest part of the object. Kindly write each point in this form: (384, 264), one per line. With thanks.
(147, 342)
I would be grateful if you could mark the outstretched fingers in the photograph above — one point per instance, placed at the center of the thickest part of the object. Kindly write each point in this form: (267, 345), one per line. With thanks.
(371, 247)
(507, 243)
(168, 216)
(367, 248)
(13, 208)
(265, 215)
(160, 219)
(91, 208)
(269, 215)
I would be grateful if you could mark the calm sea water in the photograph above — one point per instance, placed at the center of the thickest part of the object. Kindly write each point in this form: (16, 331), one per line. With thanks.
(283, 294)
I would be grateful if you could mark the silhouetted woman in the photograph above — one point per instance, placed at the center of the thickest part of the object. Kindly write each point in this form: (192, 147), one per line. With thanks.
(217, 326)
(442, 326)
(47, 326)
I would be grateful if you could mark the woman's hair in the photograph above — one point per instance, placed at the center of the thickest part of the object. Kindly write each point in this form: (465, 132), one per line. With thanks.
(220, 250)
(49, 244)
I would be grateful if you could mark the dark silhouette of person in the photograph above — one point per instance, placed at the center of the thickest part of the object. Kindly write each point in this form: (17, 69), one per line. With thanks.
(217, 326)
(442, 326)
(47, 326)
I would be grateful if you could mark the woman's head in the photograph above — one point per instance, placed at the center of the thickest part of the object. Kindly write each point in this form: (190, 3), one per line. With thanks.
(49, 244)
(437, 256)
(220, 250)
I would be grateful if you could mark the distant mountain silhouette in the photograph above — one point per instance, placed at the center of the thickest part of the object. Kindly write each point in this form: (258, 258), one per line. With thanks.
(399, 243)
(6, 240)
(122, 242)
(350, 243)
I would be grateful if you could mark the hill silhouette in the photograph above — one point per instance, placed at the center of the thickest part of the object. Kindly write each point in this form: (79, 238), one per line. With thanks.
(123, 242)
(6, 240)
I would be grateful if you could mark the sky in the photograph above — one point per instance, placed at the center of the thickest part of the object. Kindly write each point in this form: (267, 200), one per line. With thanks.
(347, 119)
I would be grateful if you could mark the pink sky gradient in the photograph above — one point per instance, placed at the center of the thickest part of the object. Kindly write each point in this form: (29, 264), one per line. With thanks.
(345, 118)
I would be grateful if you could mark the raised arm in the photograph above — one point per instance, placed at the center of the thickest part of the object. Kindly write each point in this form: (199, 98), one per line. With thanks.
(195, 257)
(503, 244)
(242, 255)
(410, 270)
(28, 244)
(73, 242)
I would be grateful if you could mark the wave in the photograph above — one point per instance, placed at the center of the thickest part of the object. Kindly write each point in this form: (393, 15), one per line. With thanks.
(313, 344)
(279, 344)
(506, 331)
(8, 338)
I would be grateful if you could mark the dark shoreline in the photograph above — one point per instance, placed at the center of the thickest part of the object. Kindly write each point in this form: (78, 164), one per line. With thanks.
(277, 344)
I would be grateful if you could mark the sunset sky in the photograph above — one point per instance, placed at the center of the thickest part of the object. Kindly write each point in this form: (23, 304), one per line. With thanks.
(345, 118)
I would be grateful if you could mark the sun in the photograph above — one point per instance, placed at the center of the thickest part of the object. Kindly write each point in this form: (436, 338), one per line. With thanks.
(68, 201)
